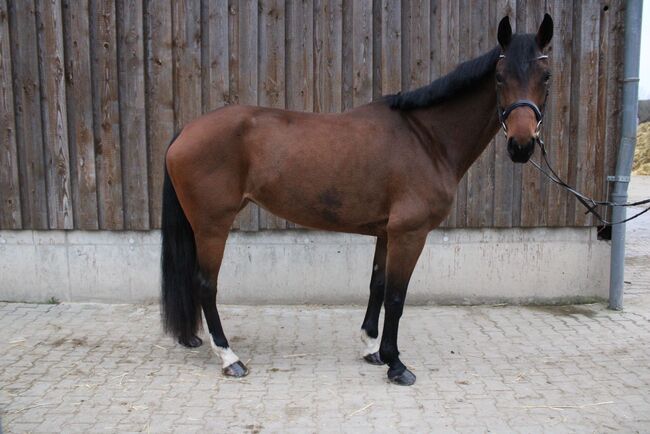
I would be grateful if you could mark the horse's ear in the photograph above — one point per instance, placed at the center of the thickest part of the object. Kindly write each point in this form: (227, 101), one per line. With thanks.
(545, 32)
(504, 34)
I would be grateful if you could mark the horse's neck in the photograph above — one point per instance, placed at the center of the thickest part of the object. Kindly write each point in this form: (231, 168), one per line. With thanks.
(463, 126)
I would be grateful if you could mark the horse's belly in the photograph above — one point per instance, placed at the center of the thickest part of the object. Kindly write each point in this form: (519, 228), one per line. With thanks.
(327, 207)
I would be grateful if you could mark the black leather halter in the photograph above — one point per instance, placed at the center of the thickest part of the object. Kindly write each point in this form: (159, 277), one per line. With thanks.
(503, 114)
(521, 103)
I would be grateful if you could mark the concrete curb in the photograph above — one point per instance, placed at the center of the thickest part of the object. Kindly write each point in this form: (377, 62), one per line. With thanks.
(460, 266)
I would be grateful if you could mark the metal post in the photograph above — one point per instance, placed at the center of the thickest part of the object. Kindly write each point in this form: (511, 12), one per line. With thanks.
(626, 150)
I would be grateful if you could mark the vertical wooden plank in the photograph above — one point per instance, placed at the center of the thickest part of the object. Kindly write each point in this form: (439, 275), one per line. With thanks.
(214, 54)
(391, 47)
(362, 71)
(606, 97)
(245, 53)
(106, 116)
(583, 101)
(576, 16)
(480, 177)
(601, 104)
(377, 31)
(233, 51)
(435, 22)
(10, 215)
(347, 42)
(328, 28)
(159, 97)
(450, 54)
(186, 27)
(503, 166)
(27, 95)
(557, 134)
(271, 54)
(416, 48)
(300, 56)
(271, 74)
(54, 114)
(132, 112)
(80, 114)
(614, 84)
(464, 20)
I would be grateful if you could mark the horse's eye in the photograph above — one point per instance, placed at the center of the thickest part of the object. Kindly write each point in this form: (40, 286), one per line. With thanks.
(547, 77)
(499, 78)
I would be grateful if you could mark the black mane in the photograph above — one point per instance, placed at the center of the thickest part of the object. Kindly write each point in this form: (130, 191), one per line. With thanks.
(463, 77)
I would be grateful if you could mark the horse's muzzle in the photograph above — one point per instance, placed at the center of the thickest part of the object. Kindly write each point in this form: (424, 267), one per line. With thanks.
(520, 153)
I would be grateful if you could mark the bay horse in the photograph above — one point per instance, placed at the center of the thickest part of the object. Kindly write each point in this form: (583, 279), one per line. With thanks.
(389, 169)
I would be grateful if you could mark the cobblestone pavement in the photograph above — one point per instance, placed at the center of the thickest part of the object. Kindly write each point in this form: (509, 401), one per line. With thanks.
(103, 368)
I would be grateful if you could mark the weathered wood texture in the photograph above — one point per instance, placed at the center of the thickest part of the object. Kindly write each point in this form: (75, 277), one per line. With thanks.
(10, 213)
(92, 91)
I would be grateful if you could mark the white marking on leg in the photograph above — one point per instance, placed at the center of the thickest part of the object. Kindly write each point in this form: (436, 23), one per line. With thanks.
(227, 356)
(372, 344)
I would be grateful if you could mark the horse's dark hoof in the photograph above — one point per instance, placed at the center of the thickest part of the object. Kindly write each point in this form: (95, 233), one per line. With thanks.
(192, 342)
(237, 370)
(373, 359)
(405, 378)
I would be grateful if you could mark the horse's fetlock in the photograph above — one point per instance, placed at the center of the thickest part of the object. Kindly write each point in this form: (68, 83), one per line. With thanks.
(220, 341)
(370, 330)
(395, 368)
(389, 354)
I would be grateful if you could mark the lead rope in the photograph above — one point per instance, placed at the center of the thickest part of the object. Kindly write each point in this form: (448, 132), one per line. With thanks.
(588, 202)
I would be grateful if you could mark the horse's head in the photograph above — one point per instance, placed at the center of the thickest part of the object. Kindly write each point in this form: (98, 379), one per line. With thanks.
(522, 75)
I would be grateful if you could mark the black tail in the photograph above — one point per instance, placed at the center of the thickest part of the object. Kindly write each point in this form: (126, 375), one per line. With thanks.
(181, 312)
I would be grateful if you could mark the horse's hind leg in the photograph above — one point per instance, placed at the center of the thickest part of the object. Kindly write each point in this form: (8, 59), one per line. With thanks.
(210, 248)
(370, 326)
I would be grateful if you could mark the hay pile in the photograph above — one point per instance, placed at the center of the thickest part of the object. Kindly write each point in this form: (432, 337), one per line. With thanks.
(641, 164)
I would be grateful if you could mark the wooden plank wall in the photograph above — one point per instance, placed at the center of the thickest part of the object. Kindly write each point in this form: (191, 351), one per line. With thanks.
(92, 91)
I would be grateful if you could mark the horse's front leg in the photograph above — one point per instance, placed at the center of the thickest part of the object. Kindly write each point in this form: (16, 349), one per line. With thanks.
(370, 326)
(404, 249)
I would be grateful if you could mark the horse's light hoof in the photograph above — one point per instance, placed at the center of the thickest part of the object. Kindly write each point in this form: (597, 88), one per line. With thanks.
(192, 342)
(373, 358)
(406, 378)
(237, 370)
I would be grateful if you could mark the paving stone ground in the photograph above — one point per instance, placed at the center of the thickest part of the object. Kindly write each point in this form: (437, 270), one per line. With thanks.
(108, 368)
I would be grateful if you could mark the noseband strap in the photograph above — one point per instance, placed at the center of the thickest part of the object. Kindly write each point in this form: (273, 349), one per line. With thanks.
(503, 115)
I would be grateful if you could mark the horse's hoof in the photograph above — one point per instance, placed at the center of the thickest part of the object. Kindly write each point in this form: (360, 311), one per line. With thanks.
(373, 358)
(405, 378)
(237, 370)
(192, 342)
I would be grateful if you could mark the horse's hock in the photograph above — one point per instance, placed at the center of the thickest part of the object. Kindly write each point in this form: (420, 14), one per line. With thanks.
(535, 265)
